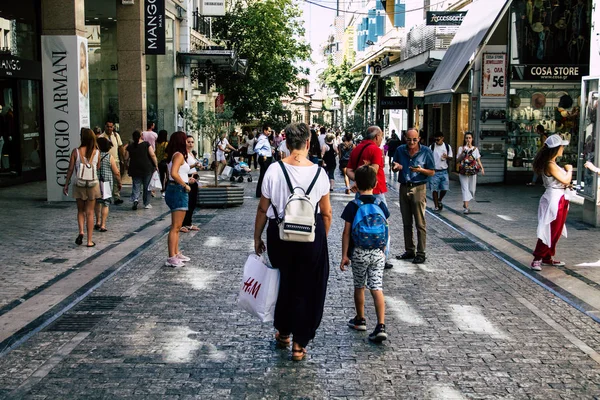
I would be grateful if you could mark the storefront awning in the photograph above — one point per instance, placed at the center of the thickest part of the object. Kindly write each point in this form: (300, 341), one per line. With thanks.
(208, 58)
(477, 27)
(360, 92)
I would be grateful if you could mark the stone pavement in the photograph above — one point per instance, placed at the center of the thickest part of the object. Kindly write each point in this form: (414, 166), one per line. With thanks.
(464, 325)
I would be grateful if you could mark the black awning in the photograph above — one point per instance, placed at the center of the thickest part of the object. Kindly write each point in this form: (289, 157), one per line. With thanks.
(206, 59)
(474, 32)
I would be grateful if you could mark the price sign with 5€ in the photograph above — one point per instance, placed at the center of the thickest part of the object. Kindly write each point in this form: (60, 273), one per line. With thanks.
(493, 75)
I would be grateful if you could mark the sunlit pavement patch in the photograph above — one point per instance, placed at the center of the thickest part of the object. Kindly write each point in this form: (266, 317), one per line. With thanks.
(471, 319)
(440, 392)
(403, 312)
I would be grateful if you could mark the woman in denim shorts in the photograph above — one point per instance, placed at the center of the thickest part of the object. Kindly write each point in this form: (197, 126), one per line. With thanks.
(176, 194)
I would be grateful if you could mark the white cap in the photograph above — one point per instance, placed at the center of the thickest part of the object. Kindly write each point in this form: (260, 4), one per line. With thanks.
(555, 141)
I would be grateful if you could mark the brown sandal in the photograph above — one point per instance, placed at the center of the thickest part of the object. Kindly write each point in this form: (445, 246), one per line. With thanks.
(298, 354)
(282, 341)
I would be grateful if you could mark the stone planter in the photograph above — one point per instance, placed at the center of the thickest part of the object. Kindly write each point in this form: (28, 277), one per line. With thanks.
(220, 196)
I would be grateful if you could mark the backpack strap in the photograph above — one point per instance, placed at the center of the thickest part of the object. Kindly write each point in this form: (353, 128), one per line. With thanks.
(287, 177)
(313, 181)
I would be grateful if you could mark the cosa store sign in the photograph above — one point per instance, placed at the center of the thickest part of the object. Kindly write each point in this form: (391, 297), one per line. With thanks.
(554, 72)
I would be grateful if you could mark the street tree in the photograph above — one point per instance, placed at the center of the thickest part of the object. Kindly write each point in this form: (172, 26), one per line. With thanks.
(269, 34)
(340, 78)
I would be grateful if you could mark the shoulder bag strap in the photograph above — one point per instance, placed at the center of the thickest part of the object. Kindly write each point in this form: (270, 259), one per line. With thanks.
(360, 154)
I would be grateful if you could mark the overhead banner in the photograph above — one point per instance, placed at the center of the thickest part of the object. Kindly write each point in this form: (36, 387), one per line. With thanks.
(65, 82)
(493, 75)
(445, 17)
(154, 26)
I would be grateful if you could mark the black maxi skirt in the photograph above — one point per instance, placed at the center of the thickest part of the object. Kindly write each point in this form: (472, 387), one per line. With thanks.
(304, 271)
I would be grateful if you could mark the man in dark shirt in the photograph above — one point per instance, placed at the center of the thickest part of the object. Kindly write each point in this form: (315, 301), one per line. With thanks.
(414, 163)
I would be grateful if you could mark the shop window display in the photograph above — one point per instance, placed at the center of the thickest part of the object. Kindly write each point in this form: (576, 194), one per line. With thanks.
(551, 31)
(556, 110)
(587, 146)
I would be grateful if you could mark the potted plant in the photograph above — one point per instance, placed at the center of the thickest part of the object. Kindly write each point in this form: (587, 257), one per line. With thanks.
(209, 125)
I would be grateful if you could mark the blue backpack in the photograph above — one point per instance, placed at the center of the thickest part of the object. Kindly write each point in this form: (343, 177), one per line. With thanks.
(370, 227)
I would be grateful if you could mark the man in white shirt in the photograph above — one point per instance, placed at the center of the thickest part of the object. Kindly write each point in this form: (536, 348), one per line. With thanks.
(264, 154)
(118, 153)
(150, 136)
(440, 182)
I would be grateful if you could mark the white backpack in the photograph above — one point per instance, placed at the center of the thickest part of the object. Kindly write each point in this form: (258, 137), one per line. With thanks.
(299, 216)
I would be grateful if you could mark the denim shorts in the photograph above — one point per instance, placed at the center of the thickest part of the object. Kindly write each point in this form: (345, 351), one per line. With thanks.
(176, 197)
(439, 181)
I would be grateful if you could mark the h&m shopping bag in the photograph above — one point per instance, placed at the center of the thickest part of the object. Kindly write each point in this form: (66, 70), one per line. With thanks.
(259, 289)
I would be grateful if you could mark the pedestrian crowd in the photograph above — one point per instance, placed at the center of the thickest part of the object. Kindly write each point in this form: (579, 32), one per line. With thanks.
(300, 163)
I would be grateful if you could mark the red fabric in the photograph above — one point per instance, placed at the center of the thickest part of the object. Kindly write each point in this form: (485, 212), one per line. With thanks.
(544, 252)
(374, 155)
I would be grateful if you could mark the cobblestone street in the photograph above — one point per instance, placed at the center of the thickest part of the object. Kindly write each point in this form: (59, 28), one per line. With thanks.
(464, 325)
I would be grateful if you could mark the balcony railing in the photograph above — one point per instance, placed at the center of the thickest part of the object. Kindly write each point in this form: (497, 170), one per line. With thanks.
(423, 38)
(201, 24)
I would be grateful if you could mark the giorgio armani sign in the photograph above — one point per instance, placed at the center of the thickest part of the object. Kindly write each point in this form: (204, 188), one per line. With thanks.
(154, 26)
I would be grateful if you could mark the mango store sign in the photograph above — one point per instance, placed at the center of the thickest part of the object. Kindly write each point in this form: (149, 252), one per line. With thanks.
(66, 105)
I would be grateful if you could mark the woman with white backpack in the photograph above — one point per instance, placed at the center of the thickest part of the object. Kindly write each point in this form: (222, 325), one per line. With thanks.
(84, 162)
(297, 248)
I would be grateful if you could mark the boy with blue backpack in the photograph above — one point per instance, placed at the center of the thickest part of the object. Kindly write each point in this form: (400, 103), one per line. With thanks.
(363, 244)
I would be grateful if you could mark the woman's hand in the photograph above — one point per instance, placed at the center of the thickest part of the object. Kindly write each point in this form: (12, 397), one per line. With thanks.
(187, 188)
(66, 189)
(344, 263)
(259, 246)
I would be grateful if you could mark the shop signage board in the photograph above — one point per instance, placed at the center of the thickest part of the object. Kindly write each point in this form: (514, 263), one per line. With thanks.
(439, 18)
(212, 8)
(65, 81)
(154, 26)
(557, 73)
(493, 76)
(15, 67)
(394, 103)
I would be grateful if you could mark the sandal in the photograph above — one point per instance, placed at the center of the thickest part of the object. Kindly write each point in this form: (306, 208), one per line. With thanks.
(91, 245)
(97, 227)
(298, 354)
(193, 228)
(103, 230)
(282, 341)
(184, 229)
(79, 239)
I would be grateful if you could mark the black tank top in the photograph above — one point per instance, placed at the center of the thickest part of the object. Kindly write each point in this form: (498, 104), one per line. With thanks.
(329, 157)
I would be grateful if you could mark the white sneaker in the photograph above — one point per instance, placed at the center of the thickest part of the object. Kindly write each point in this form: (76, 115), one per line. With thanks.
(536, 265)
(149, 206)
(163, 195)
(174, 262)
(465, 210)
(181, 257)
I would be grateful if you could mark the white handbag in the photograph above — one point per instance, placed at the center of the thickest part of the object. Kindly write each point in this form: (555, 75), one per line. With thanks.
(106, 190)
(259, 288)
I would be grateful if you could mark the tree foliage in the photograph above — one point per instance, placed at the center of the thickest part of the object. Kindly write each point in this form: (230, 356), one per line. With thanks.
(268, 33)
(339, 78)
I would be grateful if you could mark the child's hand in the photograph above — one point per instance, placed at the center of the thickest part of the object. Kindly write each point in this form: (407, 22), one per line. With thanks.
(345, 261)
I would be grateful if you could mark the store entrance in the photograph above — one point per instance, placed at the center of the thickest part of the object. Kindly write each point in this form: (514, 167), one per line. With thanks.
(10, 163)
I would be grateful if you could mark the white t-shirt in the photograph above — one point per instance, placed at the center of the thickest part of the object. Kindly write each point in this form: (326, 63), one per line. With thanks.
(274, 186)
(250, 143)
(221, 144)
(476, 154)
(191, 160)
(283, 149)
(322, 140)
(150, 137)
(438, 151)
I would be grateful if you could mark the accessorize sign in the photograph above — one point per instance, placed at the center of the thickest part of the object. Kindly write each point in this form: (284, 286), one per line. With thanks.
(65, 91)
(536, 72)
(445, 17)
(493, 75)
(154, 26)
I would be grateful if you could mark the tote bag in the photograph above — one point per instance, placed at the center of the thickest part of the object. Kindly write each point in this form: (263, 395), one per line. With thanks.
(259, 288)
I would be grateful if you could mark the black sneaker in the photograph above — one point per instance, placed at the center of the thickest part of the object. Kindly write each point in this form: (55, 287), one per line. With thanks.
(388, 265)
(118, 201)
(406, 256)
(441, 206)
(378, 335)
(359, 324)
(135, 204)
(419, 259)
